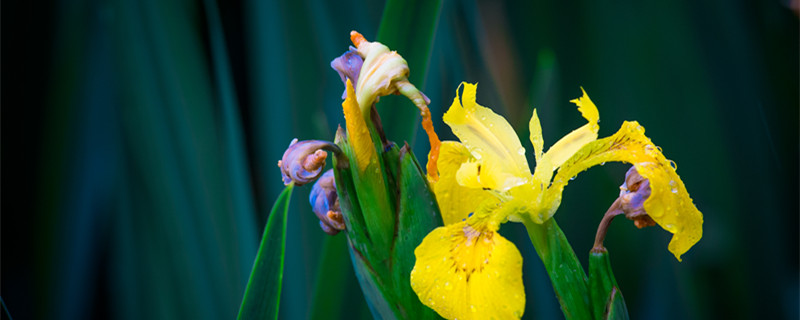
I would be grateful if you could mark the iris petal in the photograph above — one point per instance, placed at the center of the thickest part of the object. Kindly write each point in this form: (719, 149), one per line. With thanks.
(464, 273)
(455, 201)
(669, 203)
(572, 142)
(488, 137)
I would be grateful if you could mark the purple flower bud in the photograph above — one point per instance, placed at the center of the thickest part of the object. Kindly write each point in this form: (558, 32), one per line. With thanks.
(348, 65)
(633, 194)
(325, 204)
(303, 161)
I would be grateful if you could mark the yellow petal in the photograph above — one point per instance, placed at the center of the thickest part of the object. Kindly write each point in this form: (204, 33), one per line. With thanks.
(488, 137)
(455, 201)
(588, 110)
(357, 131)
(487, 175)
(669, 203)
(463, 273)
(572, 142)
(537, 140)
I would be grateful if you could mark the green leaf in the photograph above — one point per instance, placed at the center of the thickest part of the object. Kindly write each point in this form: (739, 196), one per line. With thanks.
(331, 279)
(616, 308)
(407, 27)
(417, 215)
(607, 300)
(565, 271)
(263, 293)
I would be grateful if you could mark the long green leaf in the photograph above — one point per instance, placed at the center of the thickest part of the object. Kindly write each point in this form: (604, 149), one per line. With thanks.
(417, 215)
(565, 271)
(263, 293)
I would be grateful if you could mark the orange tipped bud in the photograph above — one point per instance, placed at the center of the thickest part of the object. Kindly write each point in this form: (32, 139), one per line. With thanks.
(357, 38)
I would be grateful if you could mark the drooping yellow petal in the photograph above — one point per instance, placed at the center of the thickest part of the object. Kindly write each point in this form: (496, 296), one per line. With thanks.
(357, 131)
(669, 203)
(455, 201)
(537, 140)
(488, 137)
(464, 273)
(572, 142)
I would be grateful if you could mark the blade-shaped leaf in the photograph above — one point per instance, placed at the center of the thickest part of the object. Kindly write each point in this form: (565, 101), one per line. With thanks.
(417, 215)
(262, 296)
(565, 271)
(607, 300)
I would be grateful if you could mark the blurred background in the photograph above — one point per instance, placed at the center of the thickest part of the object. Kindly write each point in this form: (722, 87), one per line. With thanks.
(140, 141)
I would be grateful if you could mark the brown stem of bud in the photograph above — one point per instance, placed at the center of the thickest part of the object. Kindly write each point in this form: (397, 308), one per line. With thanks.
(602, 229)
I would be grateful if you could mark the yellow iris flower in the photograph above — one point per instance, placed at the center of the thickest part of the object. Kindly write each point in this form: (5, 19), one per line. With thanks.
(466, 269)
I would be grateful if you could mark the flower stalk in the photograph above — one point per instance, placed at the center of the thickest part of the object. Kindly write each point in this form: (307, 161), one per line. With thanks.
(570, 282)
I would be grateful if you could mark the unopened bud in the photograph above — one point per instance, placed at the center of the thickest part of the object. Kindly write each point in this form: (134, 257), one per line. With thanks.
(632, 195)
(325, 204)
(348, 65)
(303, 161)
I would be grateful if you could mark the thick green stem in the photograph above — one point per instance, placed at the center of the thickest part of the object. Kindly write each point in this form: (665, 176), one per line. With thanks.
(566, 273)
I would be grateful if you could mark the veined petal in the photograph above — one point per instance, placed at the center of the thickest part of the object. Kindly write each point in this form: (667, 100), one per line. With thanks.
(572, 142)
(669, 203)
(357, 131)
(482, 174)
(487, 136)
(455, 200)
(464, 273)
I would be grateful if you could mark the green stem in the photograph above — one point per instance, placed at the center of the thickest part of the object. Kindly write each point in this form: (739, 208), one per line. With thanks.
(565, 271)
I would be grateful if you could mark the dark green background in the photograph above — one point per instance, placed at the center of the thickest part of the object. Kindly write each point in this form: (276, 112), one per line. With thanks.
(140, 141)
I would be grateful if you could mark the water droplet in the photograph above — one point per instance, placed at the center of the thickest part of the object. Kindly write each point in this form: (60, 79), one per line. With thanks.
(673, 165)
(603, 163)
(573, 178)
(472, 308)
(650, 150)
(448, 286)
(483, 118)
(521, 151)
(428, 267)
